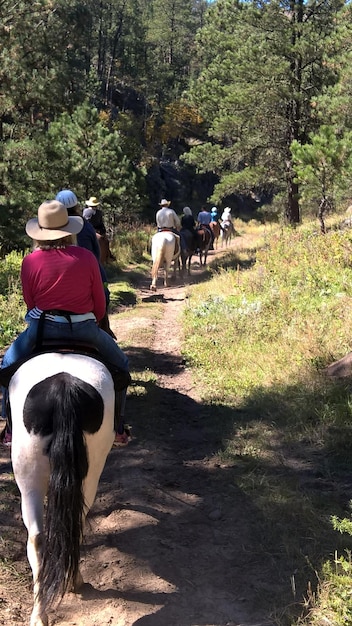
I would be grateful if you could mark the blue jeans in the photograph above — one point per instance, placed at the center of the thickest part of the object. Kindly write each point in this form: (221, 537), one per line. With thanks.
(87, 331)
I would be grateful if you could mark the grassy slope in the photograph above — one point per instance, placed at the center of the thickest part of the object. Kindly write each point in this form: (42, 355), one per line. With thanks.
(259, 339)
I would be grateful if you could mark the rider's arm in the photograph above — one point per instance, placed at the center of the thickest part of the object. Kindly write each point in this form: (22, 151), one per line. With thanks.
(98, 293)
(27, 290)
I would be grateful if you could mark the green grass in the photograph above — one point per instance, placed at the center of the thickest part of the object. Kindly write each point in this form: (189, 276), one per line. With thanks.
(12, 307)
(257, 337)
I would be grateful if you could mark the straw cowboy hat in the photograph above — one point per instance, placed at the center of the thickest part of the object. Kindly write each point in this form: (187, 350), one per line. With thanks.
(93, 201)
(164, 202)
(53, 222)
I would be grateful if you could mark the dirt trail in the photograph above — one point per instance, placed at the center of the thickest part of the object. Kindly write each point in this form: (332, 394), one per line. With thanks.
(172, 540)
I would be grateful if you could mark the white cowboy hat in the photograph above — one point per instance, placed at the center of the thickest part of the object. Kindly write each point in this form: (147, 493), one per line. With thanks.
(53, 222)
(93, 201)
(164, 202)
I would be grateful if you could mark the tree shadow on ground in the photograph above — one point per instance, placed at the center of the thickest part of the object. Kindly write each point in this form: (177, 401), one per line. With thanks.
(242, 534)
(226, 550)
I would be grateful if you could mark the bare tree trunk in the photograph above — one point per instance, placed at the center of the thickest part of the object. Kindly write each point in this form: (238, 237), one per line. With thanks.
(321, 212)
(293, 113)
(292, 214)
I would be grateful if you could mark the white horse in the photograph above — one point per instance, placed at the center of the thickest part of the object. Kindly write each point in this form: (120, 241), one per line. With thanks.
(165, 251)
(62, 410)
(227, 232)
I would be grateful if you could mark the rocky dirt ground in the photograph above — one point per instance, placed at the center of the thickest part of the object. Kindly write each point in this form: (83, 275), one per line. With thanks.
(172, 540)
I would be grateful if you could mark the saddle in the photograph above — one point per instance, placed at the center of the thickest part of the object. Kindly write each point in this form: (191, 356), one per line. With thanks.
(121, 378)
(202, 230)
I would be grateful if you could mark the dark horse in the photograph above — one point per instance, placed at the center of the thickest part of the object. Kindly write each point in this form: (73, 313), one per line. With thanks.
(204, 242)
(188, 248)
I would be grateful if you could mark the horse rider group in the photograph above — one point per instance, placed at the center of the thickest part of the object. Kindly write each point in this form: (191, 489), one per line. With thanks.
(64, 288)
(167, 219)
(94, 215)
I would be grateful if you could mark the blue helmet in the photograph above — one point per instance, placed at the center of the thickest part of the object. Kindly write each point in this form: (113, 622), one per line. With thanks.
(67, 198)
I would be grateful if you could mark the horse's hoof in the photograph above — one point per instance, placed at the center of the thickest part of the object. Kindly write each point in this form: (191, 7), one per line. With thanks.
(39, 620)
(78, 584)
(152, 288)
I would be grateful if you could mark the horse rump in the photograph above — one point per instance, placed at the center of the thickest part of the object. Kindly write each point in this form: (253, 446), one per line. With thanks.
(65, 406)
(62, 409)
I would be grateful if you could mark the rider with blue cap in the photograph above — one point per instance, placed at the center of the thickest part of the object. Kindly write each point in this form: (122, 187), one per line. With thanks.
(214, 214)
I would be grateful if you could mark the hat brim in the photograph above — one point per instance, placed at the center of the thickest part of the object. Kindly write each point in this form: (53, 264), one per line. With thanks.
(34, 231)
(92, 203)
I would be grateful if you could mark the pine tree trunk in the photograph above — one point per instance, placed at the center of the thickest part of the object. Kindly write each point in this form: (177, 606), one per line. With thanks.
(292, 213)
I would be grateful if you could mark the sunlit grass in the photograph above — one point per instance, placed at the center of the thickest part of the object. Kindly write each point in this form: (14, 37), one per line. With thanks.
(258, 336)
(12, 307)
(131, 245)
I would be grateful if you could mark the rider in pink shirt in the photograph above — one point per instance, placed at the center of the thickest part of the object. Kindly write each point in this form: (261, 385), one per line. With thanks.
(48, 276)
(63, 291)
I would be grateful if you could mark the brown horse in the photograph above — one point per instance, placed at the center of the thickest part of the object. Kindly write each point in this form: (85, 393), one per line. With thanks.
(105, 253)
(204, 243)
(216, 230)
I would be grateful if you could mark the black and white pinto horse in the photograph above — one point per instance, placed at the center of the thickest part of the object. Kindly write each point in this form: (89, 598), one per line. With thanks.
(165, 251)
(62, 410)
(227, 232)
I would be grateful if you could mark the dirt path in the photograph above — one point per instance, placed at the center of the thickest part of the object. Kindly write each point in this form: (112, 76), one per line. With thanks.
(172, 540)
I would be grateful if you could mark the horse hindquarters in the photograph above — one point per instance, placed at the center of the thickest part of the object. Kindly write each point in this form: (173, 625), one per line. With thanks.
(163, 253)
(188, 246)
(204, 242)
(228, 231)
(157, 264)
(216, 230)
(61, 416)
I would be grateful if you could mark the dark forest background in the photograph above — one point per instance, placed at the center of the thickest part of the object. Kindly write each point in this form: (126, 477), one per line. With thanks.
(226, 102)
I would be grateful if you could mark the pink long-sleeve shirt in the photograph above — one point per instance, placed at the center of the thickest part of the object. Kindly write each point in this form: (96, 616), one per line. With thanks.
(67, 279)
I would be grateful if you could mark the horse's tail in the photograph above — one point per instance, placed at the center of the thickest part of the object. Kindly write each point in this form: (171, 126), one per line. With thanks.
(157, 262)
(65, 500)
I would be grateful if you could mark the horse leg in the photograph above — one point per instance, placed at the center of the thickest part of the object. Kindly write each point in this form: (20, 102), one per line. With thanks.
(111, 256)
(34, 552)
(155, 271)
(31, 471)
(167, 266)
(177, 266)
(158, 257)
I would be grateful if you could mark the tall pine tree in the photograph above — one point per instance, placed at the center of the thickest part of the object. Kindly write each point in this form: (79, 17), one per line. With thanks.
(255, 89)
